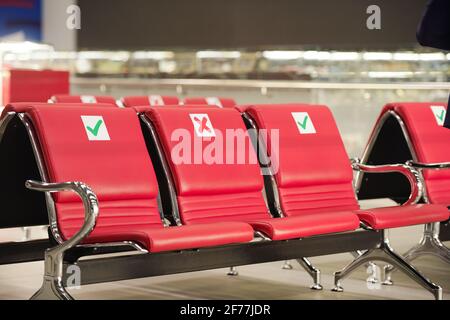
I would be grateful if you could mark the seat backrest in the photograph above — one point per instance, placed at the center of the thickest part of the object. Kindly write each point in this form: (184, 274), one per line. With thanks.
(209, 186)
(152, 100)
(311, 166)
(211, 101)
(82, 99)
(104, 148)
(430, 142)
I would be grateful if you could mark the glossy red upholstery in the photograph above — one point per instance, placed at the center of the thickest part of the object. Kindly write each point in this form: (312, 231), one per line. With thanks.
(228, 192)
(430, 142)
(19, 107)
(307, 225)
(219, 192)
(314, 174)
(220, 102)
(83, 99)
(393, 217)
(152, 100)
(120, 172)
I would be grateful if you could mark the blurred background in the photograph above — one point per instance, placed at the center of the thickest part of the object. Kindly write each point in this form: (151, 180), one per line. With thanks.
(271, 51)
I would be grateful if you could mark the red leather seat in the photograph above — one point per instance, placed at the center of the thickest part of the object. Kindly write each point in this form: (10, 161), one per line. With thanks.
(307, 225)
(224, 191)
(157, 239)
(19, 107)
(430, 142)
(212, 101)
(313, 172)
(83, 99)
(104, 148)
(152, 100)
(401, 216)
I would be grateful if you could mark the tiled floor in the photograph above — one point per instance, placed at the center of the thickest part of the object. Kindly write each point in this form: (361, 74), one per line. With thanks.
(264, 281)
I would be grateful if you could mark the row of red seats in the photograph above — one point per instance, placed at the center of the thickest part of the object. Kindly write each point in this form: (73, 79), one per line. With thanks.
(151, 100)
(115, 151)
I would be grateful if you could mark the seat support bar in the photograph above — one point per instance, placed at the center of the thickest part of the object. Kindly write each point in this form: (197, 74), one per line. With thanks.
(16, 252)
(148, 265)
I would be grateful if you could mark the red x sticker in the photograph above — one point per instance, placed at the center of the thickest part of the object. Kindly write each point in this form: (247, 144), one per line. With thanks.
(202, 125)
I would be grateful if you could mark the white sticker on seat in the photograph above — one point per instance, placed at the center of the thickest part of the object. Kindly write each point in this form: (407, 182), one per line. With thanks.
(95, 128)
(303, 122)
(202, 125)
(156, 100)
(88, 99)
(214, 101)
(439, 114)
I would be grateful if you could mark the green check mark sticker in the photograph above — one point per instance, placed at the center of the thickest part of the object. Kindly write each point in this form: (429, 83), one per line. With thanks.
(304, 122)
(439, 114)
(95, 128)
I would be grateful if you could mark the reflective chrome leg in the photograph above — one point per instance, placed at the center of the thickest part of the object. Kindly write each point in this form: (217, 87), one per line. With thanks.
(371, 268)
(287, 265)
(386, 254)
(52, 287)
(430, 244)
(233, 272)
(312, 271)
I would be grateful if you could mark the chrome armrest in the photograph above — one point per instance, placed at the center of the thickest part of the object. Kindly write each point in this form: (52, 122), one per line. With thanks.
(408, 171)
(90, 203)
(432, 166)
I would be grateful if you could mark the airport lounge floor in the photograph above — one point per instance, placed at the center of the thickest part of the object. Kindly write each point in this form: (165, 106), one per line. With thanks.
(263, 281)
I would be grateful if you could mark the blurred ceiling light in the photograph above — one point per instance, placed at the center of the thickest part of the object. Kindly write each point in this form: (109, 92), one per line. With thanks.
(25, 46)
(437, 56)
(448, 56)
(282, 55)
(406, 56)
(167, 66)
(41, 55)
(106, 55)
(390, 74)
(154, 55)
(210, 54)
(120, 56)
(316, 55)
(92, 55)
(344, 56)
(377, 56)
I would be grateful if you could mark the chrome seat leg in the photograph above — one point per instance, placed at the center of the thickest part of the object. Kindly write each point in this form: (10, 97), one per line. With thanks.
(233, 272)
(372, 268)
(386, 254)
(52, 287)
(287, 265)
(430, 244)
(312, 271)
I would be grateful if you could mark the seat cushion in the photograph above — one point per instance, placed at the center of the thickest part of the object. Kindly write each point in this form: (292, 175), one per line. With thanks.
(311, 166)
(83, 99)
(307, 225)
(152, 100)
(212, 101)
(402, 216)
(430, 142)
(157, 239)
(118, 168)
(207, 191)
